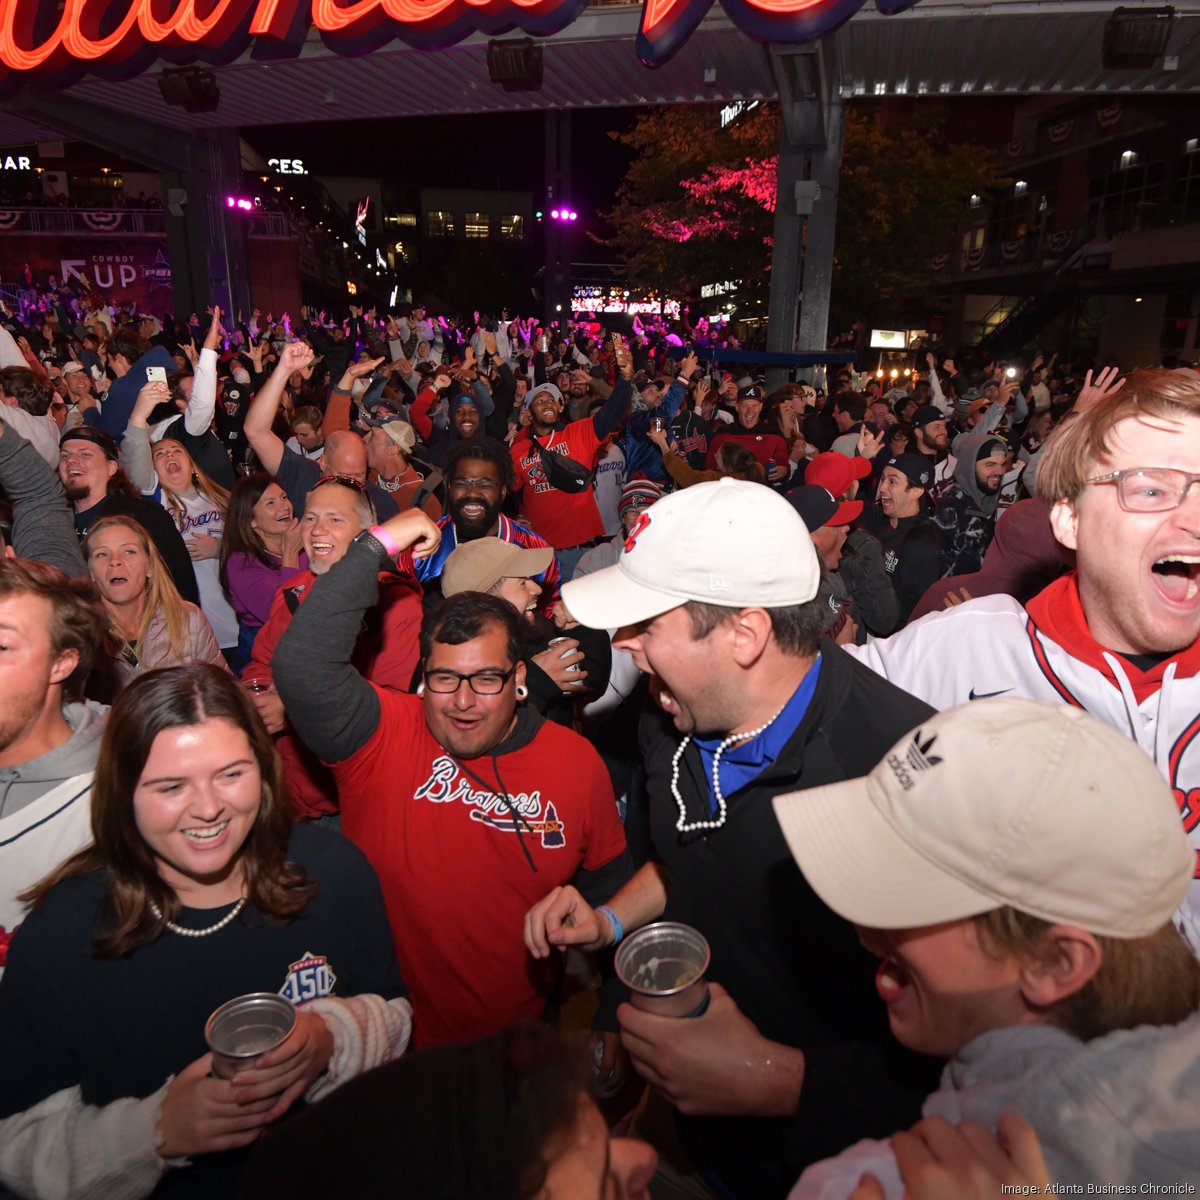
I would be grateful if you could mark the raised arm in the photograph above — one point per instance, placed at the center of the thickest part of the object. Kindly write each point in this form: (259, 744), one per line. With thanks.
(332, 707)
(42, 528)
(198, 415)
(260, 417)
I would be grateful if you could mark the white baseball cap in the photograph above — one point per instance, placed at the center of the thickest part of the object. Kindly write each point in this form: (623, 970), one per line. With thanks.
(1018, 803)
(731, 542)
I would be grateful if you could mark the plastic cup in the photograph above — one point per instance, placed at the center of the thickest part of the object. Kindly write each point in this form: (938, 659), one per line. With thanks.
(664, 965)
(245, 1028)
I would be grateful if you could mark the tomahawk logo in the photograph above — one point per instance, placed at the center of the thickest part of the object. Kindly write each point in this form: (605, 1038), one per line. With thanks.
(641, 523)
(916, 759)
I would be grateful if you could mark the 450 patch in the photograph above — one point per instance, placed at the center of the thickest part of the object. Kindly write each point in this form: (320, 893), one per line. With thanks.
(308, 978)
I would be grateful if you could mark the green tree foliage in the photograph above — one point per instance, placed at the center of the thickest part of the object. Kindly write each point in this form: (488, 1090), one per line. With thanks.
(697, 203)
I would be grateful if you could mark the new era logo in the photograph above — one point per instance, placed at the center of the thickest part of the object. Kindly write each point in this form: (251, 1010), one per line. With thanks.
(916, 759)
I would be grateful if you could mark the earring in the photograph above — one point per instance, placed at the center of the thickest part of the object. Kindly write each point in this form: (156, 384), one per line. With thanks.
(522, 691)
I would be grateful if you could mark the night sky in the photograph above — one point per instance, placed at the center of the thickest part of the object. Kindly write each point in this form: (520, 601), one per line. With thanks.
(354, 148)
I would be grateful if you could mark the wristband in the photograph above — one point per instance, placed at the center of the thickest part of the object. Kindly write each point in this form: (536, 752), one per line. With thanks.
(614, 921)
(386, 540)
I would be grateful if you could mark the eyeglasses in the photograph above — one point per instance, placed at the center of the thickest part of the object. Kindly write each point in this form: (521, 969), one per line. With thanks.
(344, 480)
(1149, 489)
(483, 683)
(463, 484)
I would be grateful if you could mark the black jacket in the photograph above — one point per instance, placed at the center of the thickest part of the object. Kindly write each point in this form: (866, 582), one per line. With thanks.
(794, 967)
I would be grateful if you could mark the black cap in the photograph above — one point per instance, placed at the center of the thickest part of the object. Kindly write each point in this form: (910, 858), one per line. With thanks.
(916, 468)
(926, 416)
(89, 433)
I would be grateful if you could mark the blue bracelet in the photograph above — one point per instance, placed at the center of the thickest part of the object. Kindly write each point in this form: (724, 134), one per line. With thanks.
(614, 921)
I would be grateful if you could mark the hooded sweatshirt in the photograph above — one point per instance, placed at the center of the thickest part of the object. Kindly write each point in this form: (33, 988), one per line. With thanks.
(1022, 559)
(45, 811)
(463, 847)
(965, 517)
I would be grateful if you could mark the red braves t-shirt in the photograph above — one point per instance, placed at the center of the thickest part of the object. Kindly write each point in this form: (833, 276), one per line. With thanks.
(562, 518)
(456, 881)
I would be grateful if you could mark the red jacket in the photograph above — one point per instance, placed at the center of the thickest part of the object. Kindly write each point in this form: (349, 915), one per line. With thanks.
(387, 654)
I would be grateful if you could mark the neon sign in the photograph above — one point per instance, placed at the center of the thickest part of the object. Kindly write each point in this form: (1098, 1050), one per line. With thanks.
(125, 37)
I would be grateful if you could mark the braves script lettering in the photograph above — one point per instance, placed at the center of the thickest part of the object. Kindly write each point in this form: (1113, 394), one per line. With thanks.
(445, 785)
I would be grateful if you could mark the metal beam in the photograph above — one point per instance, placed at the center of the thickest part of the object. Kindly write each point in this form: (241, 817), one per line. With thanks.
(810, 153)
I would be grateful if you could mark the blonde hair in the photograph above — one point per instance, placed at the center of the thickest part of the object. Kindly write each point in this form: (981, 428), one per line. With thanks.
(160, 592)
(205, 485)
(1152, 980)
(1081, 440)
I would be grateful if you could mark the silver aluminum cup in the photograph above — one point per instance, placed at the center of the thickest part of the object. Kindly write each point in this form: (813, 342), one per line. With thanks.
(664, 965)
(245, 1028)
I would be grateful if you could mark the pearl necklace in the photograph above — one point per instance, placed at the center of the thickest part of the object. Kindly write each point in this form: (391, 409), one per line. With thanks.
(683, 825)
(183, 931)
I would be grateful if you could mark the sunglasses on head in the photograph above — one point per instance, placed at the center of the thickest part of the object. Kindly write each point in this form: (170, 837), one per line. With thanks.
(344, 480)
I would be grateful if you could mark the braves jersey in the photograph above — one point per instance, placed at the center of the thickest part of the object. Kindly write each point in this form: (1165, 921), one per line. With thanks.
(564, 519)
(455, 843)
(995, 647)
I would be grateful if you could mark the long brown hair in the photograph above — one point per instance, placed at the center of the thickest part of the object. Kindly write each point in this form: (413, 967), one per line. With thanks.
(151, 704)
(239, 536)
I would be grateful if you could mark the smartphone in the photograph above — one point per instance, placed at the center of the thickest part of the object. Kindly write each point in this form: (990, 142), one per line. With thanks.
(156, 374)
(1011, 372)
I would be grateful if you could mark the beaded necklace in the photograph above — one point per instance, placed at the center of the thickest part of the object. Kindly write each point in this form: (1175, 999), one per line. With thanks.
(683, 825)
(183, 931)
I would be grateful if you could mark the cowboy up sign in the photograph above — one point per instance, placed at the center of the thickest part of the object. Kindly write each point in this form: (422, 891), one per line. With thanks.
(120, 38)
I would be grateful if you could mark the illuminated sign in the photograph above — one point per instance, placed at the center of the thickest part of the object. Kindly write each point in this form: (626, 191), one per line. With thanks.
(889, 339)
(586, 299)
(709, 290)
(288, 166)
(731, 112)
(123, 38)
(15, 162)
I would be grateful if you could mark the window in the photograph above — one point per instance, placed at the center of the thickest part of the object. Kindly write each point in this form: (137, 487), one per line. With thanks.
(512, 225)
(440, 224)
(479, 225)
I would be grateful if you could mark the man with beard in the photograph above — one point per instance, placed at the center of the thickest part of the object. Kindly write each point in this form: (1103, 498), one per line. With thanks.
(467, 804)
(386, 652)
(478, 477)
(720, 599)
(931, 439)
(97, 487)
(51, 628)
(966, 510)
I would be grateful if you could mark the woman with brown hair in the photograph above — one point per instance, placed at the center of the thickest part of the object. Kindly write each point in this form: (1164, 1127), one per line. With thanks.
(197, 889)
(150, 624)
(261, 549)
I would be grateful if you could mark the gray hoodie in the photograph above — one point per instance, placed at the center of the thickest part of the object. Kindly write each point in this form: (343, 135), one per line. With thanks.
(1122, 1110)
(23, 784)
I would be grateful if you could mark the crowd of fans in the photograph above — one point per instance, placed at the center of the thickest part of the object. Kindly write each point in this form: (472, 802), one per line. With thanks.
(403, 665)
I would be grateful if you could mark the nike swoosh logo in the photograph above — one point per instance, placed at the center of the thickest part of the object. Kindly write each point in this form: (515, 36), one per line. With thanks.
(974, 695)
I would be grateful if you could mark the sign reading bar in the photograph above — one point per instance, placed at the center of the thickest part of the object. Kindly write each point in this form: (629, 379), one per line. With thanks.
(121, 38)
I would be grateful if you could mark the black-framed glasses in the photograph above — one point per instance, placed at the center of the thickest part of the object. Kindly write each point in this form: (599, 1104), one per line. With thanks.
(1149, 489)
(345, 480)
(483, 683)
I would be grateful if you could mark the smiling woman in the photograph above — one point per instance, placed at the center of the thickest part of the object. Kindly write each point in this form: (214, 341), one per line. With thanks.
(196, 889)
